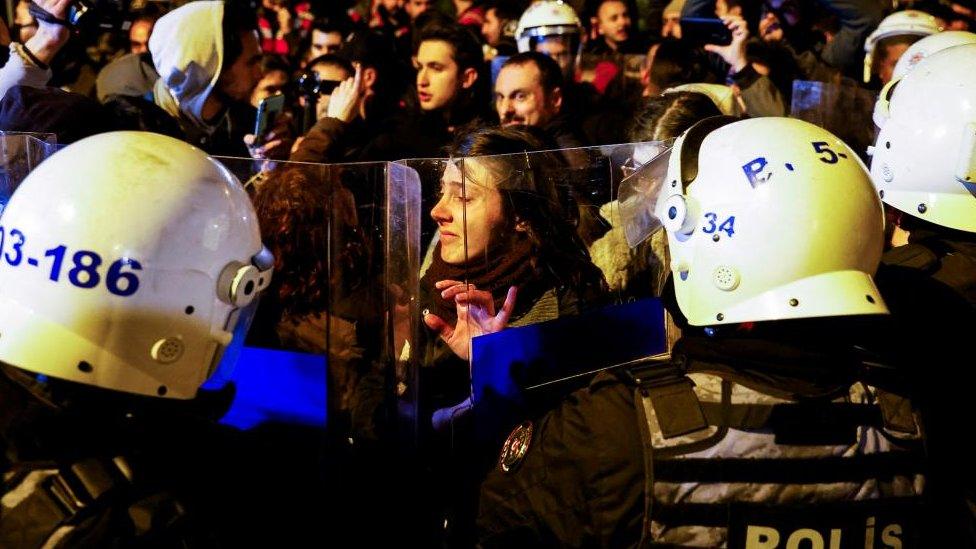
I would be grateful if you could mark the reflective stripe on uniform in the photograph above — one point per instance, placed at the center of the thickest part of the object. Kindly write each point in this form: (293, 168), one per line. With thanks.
(700, 479)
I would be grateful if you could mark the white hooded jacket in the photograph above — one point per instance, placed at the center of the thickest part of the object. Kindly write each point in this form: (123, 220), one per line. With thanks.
(187, 49)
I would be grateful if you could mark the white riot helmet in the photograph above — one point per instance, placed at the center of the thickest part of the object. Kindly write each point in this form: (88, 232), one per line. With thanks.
(545, 18)
(129, 260)
(924, 160)
(929, 45)
(900, 23)
(767, 219)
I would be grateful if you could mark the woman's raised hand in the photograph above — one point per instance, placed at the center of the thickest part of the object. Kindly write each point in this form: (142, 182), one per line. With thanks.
(475, 312)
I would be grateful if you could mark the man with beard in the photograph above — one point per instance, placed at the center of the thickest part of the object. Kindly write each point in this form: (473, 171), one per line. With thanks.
(529, 91)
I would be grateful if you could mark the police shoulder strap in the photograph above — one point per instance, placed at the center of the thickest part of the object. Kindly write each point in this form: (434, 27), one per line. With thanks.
(671, 393)
(62, 498)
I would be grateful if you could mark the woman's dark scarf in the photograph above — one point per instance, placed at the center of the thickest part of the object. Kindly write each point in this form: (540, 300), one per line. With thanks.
(505, 266)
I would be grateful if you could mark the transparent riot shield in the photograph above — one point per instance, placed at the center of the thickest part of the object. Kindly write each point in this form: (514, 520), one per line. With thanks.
(19, 154)
(845, 109)
(332, 341)
(518, 303)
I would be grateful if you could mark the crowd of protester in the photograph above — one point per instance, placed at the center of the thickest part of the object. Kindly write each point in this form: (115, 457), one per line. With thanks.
(417, 70)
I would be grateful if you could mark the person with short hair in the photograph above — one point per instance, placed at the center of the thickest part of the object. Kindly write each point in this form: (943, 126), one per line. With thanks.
(326, 37)
(275, 76)
(613, 28)
(451, 91)
(498, 28)
(528, 91)
(415, 8)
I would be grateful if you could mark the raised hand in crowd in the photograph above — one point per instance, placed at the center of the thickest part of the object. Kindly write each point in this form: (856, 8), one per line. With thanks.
(347, 98)
(475, 312)
(52, 32)
(284, 19)
(735, 53)
(274, 145)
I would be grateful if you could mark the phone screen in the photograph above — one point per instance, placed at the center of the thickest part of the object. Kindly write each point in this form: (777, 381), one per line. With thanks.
(268, 110)
(702, 30)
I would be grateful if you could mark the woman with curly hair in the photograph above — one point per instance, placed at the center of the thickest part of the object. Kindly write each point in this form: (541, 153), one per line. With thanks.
(314, 305)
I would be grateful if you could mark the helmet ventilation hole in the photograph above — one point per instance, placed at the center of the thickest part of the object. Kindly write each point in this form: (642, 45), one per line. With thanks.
(189, 309)
(85, 367)
(869, 298)
(167, 350)
(725, 278)
(161, 391)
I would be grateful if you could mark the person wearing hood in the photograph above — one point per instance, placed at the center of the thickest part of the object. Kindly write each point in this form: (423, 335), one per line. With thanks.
(207, 58)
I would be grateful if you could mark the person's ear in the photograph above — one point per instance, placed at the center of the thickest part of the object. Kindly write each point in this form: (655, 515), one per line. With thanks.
(556, 99)
(521, 226)
(469, 77)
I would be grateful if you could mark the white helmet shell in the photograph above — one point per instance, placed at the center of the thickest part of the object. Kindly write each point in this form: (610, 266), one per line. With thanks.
(900, 23)
(770, 219)
(928, 46)
(924, 160)
(127, 259)
(546, 18)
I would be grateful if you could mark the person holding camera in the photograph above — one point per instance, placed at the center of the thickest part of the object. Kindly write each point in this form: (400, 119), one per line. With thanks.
(339, 133)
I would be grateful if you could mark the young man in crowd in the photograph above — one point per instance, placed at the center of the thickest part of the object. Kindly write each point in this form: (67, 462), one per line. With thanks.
(449, 88)
(498, 29)
(326, 38)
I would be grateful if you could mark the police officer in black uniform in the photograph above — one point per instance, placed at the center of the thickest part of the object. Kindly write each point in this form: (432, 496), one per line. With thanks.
(131, 262)
(923, 167)
(770, 426)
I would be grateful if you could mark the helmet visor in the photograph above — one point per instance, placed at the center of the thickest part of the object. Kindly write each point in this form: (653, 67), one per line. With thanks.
(640, 192)
(20, 153)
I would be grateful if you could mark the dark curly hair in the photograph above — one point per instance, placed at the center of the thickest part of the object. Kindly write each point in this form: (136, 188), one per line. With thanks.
(294, 206)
